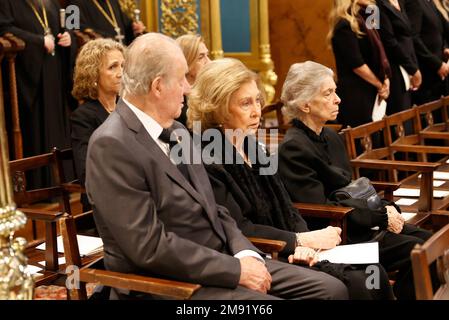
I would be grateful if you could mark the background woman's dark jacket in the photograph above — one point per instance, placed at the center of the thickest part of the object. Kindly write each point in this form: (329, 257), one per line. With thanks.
(312, 166)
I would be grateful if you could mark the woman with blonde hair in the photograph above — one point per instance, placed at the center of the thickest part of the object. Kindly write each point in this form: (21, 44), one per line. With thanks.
(197, 56)
(97, 83)
(362, 66)
(226, 99)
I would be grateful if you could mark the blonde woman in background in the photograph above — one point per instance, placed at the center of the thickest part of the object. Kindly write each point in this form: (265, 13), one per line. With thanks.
(197, 56)
(362, 66)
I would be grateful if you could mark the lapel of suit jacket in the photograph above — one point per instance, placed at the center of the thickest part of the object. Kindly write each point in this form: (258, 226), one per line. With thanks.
(399, 14)
(170, 169)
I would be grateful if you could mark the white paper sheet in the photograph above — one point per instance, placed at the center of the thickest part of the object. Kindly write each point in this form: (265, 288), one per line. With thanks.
(438, 183)
(360, 253)
(409, 192)
(61, 260)
(408, 215)
(405, 202)
(406, 78)
(441, 175)
(87, 245)
(33, 269)
(379, 109)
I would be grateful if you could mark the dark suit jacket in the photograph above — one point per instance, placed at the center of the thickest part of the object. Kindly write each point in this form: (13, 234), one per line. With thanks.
(430, 30)
(396, 34)
(151, 220)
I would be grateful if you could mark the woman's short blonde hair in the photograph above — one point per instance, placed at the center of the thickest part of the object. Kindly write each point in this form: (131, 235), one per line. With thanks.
(209, 99)
(87, 67)
(302, 83)
(190, 46)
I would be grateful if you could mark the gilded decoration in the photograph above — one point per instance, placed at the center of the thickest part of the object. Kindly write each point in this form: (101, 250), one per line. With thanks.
(129, 7)
(179, 17)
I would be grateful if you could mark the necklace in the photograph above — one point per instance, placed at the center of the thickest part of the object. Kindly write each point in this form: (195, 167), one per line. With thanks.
(44, 22)
(111, 19)
(109, 110)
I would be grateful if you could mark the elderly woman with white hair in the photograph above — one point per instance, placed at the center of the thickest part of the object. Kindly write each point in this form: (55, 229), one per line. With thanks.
(313, 164)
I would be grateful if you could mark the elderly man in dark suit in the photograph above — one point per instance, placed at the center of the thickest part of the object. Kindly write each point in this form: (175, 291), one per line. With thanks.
(154, 220)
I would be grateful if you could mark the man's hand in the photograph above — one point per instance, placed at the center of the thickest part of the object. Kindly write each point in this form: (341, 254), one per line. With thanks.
(326, 238)
(138, 28)
(254, 275)
(443, 71)
(415, 80)
(304, 255)
(49, 43)
(64, 39)
(395, 220)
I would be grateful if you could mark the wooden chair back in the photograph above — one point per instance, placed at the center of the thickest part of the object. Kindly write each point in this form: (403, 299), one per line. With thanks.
(435, 249)
(43, 222)
(428, 115)
(368, 148)
(87, 273)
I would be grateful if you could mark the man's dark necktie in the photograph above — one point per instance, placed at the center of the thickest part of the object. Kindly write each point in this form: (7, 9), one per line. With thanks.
(165, 137)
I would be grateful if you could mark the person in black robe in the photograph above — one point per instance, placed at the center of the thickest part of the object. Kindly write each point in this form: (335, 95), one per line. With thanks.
(104, 22)
(43, 76)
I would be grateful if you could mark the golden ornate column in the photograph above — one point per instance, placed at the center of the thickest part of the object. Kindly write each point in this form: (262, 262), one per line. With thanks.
(267, 74)
(15, 282)
(216, 46)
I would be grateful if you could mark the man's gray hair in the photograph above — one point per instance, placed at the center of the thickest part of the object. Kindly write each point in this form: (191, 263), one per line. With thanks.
(302, 83)
(148, 57)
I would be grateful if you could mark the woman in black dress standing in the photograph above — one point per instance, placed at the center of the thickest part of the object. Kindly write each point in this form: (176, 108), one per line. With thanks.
(362, 67)
(430, 35)
(396, 35)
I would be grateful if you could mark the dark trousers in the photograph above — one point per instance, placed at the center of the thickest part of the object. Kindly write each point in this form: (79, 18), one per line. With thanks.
(394, 252)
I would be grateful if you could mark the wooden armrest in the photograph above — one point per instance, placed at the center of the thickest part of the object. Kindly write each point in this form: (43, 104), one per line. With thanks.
(179, 290)
(73, 187)
(416, 148)
(40, 214)
(268, 245)
(386, 186)
(393, 164)
(324, 211)
(434, 135)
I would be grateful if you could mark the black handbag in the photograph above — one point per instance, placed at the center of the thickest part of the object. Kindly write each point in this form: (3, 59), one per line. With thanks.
(359, 189)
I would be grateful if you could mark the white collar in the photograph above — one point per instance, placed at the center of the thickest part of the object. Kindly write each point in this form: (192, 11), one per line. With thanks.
(153, 128)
